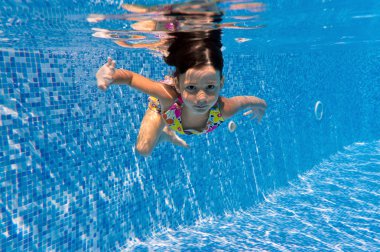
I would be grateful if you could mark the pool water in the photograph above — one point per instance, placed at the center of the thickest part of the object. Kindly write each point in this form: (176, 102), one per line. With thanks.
(305, 179)
(334, 206)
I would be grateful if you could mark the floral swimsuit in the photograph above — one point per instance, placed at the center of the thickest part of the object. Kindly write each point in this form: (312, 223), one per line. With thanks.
(172, 116)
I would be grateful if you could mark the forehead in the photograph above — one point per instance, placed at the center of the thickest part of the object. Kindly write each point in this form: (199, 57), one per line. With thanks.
(206, 72)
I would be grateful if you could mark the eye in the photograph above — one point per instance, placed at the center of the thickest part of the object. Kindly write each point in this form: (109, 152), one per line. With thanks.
(211, 87)
(190, 88)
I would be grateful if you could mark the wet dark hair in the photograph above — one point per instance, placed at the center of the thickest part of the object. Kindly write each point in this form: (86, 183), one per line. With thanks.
(195, 49)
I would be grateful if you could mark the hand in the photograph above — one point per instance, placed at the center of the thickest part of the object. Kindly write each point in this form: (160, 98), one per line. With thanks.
(105, 73)
(258, 112)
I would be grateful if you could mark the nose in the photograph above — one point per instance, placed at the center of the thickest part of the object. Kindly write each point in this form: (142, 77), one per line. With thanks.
(201, 97)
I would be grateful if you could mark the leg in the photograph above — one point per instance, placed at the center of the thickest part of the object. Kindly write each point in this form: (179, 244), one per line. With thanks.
(150, 131)
(153, 130)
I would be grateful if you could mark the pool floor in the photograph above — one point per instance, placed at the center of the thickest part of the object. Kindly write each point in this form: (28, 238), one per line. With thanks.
(333, 207)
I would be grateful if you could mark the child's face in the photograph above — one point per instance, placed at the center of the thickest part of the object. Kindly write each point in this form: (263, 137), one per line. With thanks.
(200, 88)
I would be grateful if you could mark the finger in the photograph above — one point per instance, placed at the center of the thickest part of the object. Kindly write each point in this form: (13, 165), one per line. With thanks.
(259, 119)
(253, 117)
(104, 82)
(248, 112)
(113, 63)
(260, 115)
(102, 86)
(100, 82)
(107, 77)
(109, 61)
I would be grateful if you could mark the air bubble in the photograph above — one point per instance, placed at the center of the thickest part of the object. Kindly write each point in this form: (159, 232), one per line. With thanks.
(318, 110)
(232, 126)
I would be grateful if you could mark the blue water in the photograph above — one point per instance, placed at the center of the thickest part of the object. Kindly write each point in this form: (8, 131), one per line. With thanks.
(335, 206)
(71, 179)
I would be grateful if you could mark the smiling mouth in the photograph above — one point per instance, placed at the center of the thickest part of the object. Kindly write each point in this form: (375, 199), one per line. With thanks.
(200, 107)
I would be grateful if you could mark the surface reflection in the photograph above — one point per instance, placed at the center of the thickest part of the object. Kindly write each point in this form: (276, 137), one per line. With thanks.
(152, 27)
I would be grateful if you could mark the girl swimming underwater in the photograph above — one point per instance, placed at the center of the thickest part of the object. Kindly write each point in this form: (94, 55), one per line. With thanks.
(193, 104)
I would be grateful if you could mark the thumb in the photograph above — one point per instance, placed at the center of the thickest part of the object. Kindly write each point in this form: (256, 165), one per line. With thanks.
(102, 85)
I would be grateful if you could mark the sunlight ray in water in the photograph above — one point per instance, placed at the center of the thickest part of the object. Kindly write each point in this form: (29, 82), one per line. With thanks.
(340, 211)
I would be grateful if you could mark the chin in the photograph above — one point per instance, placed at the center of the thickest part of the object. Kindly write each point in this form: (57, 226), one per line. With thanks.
(201, 111)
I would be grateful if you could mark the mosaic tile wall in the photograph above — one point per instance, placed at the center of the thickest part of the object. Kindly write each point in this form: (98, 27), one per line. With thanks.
(71, 179)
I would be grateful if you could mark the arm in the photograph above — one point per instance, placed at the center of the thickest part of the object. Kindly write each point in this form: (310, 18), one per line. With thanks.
(108, 75)
(230, 106)
(153, 45)
(145, 85)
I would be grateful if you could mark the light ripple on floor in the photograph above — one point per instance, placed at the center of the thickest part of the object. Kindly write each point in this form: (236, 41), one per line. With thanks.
(333, 207)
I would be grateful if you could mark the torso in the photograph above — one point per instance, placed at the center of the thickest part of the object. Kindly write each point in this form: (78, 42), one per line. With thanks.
(178, 119)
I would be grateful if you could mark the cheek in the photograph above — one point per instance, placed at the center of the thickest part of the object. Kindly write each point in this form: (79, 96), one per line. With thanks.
(185, 95)
(187, 98)
(214, 96)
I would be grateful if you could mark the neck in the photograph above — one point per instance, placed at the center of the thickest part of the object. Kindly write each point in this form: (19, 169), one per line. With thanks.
(194, 116)
(190, 120)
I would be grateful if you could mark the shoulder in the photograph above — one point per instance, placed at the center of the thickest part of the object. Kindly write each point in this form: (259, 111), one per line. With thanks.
(166, 91)
(169, 98)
